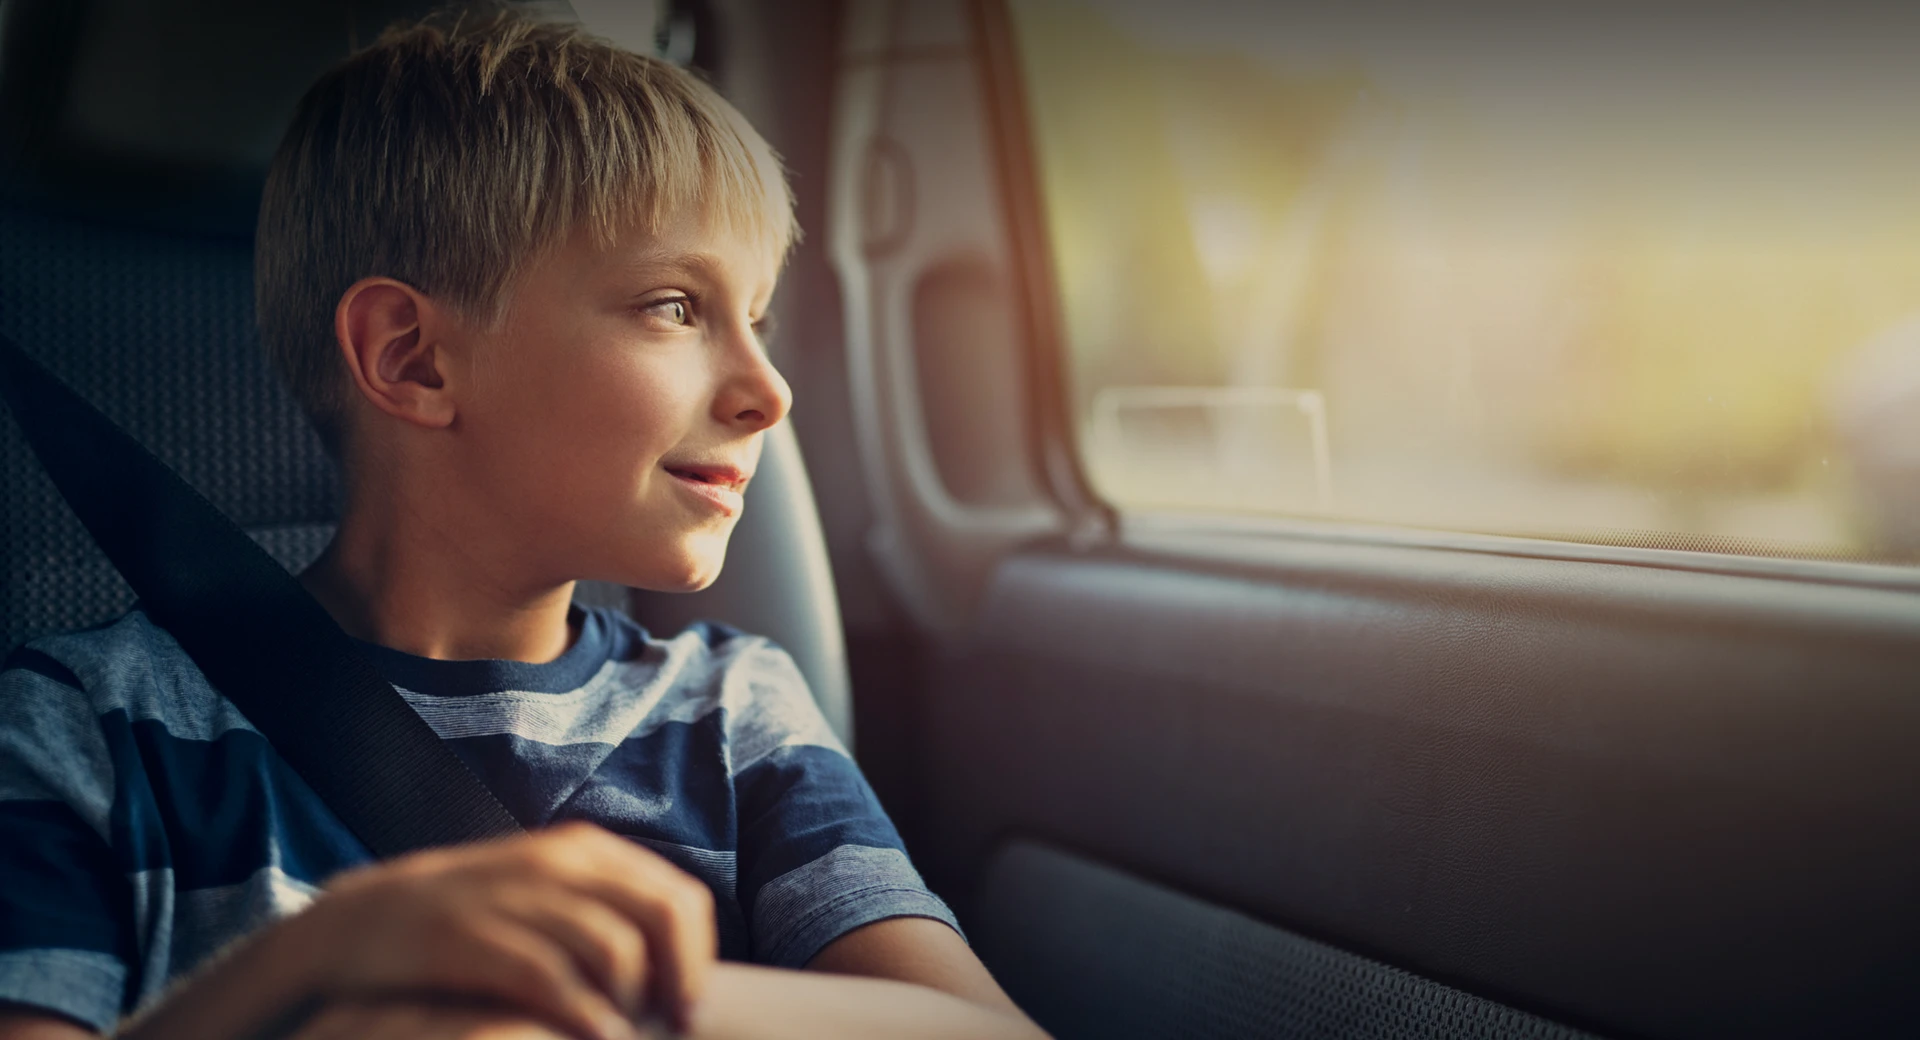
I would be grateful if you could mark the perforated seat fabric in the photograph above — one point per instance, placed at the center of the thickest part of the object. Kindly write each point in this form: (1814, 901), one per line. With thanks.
(157, 330)
(1092, 952)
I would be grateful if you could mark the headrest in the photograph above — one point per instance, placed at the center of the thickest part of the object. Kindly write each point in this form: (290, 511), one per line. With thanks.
(165, 112)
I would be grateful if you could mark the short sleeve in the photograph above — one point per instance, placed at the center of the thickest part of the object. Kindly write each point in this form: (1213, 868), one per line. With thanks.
(65, 911)
(818, 855)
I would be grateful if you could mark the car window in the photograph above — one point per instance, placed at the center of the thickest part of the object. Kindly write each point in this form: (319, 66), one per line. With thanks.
(1586, 277)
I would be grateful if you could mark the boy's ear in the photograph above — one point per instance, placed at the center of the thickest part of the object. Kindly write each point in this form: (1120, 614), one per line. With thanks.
(391, 334)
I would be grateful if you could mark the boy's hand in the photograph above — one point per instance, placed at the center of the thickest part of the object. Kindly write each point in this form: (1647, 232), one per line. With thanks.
(578, 926)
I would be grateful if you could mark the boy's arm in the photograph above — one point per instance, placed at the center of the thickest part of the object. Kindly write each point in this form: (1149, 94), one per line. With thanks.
(741, 1003)
(17, 1023)
(824, 876)
(820, 863)
(752, 1003)
(916, 950)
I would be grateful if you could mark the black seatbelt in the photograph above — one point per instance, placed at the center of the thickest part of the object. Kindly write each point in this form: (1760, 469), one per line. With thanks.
(261, 640)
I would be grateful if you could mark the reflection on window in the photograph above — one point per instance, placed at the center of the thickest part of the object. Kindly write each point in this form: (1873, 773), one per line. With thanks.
(1566, 278)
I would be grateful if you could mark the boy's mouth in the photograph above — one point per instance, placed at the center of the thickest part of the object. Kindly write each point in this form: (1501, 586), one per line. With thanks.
(719, 487)
(716, 476)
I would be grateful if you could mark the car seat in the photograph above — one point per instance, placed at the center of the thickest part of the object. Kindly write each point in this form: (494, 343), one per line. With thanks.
(134, 136)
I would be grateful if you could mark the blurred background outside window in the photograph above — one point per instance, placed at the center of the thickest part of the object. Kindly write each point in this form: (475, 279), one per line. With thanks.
(1646, 279)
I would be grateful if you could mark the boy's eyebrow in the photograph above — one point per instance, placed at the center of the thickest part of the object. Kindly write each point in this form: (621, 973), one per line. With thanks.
(705, 265)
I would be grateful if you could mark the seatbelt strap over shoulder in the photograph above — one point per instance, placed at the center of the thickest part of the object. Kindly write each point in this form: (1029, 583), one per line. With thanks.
(261, 640)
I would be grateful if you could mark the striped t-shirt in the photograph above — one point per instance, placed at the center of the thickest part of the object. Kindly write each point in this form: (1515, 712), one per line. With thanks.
(144, 823)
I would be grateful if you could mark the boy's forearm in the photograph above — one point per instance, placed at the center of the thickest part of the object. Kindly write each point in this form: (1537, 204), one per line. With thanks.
(752, 1003)
(741, 1003)
(259, 988)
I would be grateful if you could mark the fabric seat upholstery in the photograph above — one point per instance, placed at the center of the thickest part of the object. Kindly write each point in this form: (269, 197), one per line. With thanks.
(157, 331)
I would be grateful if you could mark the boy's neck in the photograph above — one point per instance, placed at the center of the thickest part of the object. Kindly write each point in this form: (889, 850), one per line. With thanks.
(391, 577)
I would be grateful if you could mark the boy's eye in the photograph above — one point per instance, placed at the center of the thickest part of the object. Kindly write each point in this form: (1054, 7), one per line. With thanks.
(676, 310)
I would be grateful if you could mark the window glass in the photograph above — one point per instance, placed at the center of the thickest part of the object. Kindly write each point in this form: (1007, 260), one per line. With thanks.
(1653, 280)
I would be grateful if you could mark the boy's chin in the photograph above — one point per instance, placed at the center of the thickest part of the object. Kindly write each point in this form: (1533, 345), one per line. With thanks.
(693, 567)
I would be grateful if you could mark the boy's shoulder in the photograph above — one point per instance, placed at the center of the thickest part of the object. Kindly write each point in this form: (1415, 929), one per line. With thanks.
(105, 650)
(76, 707)
(129, 665)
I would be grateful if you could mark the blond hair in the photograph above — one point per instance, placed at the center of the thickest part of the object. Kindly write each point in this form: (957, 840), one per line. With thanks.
(452, 151)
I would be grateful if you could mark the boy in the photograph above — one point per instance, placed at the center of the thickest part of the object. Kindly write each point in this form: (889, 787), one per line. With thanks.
(516, 276)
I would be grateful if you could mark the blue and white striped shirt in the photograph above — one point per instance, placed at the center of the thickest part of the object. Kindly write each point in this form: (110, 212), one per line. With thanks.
(145, 824)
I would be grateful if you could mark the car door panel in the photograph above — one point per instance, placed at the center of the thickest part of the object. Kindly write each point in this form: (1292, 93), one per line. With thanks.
(1653, 802)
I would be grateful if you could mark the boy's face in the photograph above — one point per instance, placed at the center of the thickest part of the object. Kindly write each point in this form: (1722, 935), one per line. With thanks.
(615, 415)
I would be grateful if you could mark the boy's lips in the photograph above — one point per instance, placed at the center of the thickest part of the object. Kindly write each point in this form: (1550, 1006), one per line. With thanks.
(719, 485)
(719, 474)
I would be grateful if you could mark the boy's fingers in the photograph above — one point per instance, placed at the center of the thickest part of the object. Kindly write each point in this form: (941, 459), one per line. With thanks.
(531, 971)
(610, 950)
(672, 909)
(675, 913)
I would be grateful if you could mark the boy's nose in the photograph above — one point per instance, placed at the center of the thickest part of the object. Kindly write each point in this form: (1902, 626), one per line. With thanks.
(757, 396)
